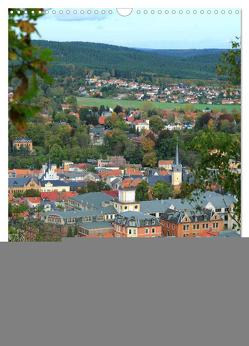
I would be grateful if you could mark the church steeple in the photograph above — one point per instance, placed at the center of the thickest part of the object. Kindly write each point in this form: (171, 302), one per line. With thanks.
(177, 154)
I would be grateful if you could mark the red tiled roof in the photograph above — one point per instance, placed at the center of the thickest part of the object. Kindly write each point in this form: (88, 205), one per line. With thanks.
(133, 171)
(80, 165)
(128, 182)
(35, 200)
(112, 193)
(163, 172)
(58, 196)
(20, 171)
(111, 173)
(165, 162)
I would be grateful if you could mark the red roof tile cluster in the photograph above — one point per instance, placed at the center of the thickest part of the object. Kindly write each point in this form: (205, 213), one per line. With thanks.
(165, 162)
(110, 173)
(163, 172)
(34, 200)
(58, 196)
(112, 193)
(128, 182)
(133, 171)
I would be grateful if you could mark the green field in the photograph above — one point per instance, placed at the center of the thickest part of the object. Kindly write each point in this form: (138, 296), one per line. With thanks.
(94, 101)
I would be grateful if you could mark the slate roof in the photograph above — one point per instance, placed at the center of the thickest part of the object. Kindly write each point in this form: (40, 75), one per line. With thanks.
(218, 200)
(153, 179)
(160, 206)
(20, 182)
(176, 216)
(203, 198)
(140, 219)
(54, 182)
(81, 213)
(96, 225)
(93, 198)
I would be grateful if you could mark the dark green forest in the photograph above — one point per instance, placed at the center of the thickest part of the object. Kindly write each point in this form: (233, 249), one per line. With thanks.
(72, 58)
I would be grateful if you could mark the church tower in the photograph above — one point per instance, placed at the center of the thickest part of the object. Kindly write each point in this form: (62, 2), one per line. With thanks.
(176, 170)
(126, 200)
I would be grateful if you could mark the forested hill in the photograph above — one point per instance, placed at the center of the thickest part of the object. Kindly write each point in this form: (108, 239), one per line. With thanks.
(71, 57)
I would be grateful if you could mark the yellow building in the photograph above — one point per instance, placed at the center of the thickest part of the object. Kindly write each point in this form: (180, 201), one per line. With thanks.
(23, 184)
(26, 143)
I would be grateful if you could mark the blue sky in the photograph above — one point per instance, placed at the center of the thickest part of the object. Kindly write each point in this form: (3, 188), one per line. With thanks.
(163, 31)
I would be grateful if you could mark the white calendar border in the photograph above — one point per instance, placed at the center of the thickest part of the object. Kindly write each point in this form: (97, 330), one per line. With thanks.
(113, 4)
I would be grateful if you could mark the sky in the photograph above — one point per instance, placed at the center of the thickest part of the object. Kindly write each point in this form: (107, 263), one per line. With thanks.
(139, 30)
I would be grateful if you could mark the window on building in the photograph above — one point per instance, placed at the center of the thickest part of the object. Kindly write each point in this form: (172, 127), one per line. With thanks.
(218, 210)
(125, 207)
(153, 230)
(135, 206)
(206, 225)
(129, 231)
(214, 225)
(194, 226)
(185, 227)
(217, 225)
(197, 226)
(146, 230)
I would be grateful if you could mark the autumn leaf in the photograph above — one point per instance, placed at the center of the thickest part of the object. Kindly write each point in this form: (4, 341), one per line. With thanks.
(26, 26)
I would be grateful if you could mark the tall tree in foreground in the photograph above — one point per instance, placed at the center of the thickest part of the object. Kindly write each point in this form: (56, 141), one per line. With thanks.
(230, 65)
(217, 150)
(27, 64)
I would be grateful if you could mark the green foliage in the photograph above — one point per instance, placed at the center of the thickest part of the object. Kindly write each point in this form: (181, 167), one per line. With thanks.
(115, 142)
(92, 186)
(216, 149)
(150, 159)
(142, 191)
(71, 58)
(28, 193)
(162, 190)
(156, 123)
(27, 64)
(230, 65)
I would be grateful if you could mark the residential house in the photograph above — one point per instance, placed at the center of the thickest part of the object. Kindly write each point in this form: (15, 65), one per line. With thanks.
(26, 143)
(165, 164)
(132, 224)
(191, 223)
(142, 125)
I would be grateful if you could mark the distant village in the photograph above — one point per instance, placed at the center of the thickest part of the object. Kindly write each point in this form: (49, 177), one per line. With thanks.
(172, 92)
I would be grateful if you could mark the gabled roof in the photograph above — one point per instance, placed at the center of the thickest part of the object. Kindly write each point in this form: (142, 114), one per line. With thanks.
(178, 217)
(20, 182)
(58, 196)
(139, 218)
